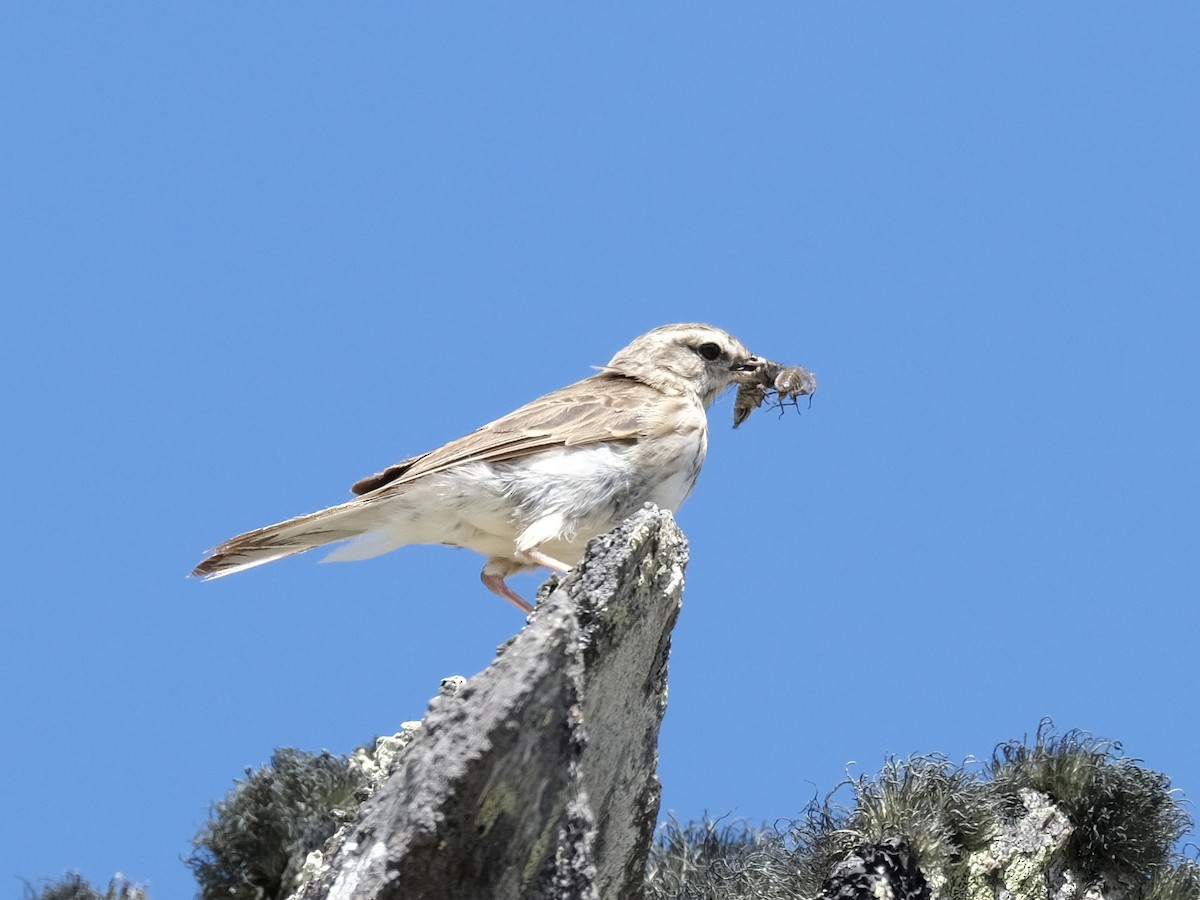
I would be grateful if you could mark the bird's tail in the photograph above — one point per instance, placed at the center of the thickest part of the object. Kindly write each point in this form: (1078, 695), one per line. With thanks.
(264, 545)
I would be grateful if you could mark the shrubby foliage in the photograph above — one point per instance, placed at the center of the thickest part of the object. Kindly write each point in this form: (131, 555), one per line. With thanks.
(1126, 817)
(690, 862)
(1126, 821)
(74, 886)
(937, 809)
(1179, 882)
(258, 837)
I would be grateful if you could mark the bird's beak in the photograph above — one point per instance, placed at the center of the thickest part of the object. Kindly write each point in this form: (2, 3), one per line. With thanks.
(744, 369)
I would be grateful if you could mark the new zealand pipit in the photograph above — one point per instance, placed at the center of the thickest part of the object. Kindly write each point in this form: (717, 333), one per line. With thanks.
(531, 488)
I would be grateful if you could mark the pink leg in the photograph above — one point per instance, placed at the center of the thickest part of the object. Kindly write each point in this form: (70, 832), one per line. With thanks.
(537, 557)
(493, 575)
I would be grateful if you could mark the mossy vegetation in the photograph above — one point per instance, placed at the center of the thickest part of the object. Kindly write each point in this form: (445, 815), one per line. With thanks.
(1125, 823)
(74, 886)
(259, 836)
(1126, 818)
(931, 815)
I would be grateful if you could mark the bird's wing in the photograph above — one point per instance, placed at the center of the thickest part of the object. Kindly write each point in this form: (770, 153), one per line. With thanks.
(586, 412)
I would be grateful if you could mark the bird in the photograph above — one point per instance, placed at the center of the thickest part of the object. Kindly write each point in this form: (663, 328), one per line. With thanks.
(530, 489)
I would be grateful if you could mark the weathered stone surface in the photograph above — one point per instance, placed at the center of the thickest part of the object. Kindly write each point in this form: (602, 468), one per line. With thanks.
(536, 779)
(887, 869)
(1019, 861)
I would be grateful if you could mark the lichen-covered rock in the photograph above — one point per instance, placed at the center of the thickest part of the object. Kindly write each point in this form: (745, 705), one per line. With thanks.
(374, 764)
(884, 871)
(503, 790)
(1018, 859)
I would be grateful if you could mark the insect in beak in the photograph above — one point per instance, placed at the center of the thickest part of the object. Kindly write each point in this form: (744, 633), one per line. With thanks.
(757, 382)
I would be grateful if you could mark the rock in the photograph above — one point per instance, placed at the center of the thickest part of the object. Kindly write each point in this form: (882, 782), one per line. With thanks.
(884, 871)
(536, 778)
(1020, 861)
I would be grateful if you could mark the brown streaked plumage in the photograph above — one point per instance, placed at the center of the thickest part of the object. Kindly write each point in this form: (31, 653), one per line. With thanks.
(582, 413)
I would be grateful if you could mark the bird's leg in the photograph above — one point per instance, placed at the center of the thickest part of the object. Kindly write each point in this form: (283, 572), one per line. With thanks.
(529, 542)
(493, 575)
(496, 585)
(537, 557)
(498, 568)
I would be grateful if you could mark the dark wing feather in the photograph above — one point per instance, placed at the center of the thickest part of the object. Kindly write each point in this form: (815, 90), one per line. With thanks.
(582, 413)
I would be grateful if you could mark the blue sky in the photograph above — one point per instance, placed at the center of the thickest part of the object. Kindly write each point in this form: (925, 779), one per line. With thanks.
(254, 253)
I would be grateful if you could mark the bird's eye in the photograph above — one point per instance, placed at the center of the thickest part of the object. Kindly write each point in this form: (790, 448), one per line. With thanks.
(709, 351)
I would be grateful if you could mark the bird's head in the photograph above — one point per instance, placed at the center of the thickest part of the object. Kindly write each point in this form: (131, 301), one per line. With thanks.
(680, 358)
